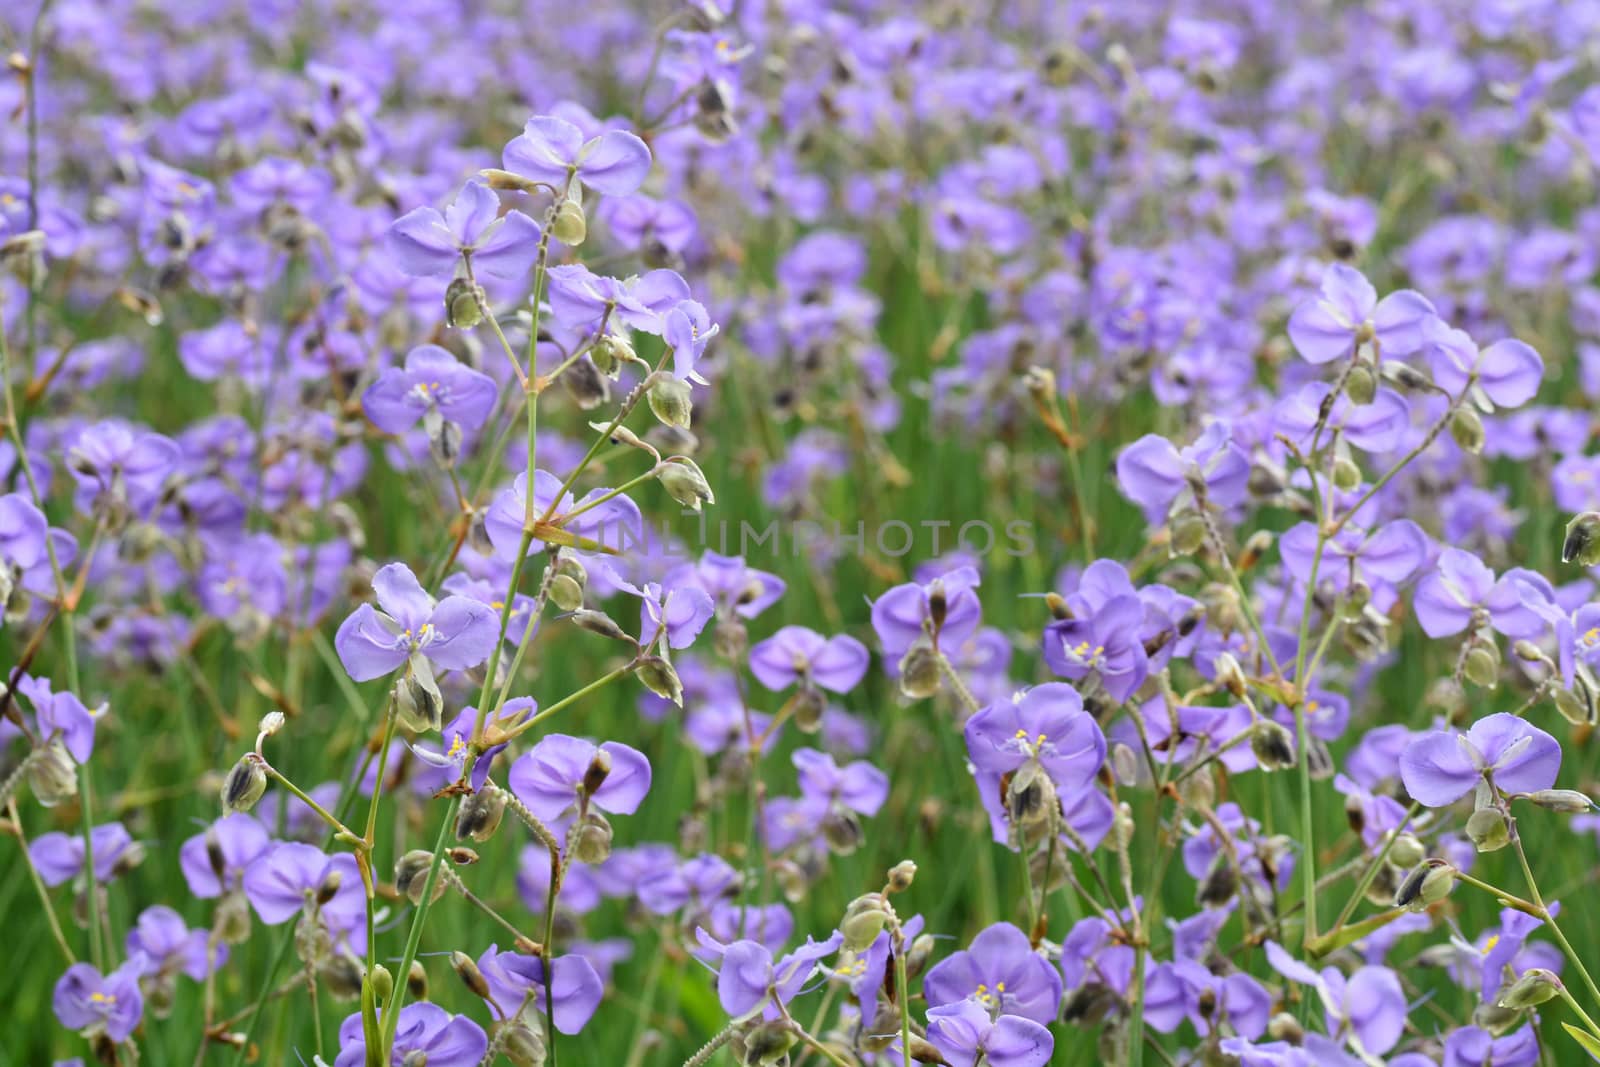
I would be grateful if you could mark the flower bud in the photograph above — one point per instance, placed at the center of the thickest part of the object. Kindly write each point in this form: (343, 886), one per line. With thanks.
(417, 981)
(329, 888)
(1229, 674)
(467, 970)
(1124, 764)
(1582, 543)
(411, 876)
(584, 383)
(1566, 801)
(672, 400)
(1574, 708)
(768, 1043)
(1272, 744)
(480, 815)
(841, 828)
(1030, 796)
(901, 875)
(1467, 429)
(382, 982)
(598, 622)
(863, 921)
(919, 670)
(244, 785)
(569, 226)
(1427, 884)
(1488, 830)
(1536, 986)
(685, 483)
(566, 592)
(658, 676)
(591, 842)
(1220, 884)
(610, 352)
(731, 639)
(1285, 1027)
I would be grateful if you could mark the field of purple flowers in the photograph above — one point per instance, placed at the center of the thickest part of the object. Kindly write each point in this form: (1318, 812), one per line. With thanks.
(800, 532)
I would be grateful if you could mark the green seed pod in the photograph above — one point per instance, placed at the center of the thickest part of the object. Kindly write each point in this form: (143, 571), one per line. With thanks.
(1481, 665)
(591, 841)
(463, 303)
(863, 921)
(480, 815)
(411, 876)
(1565, 801)
(1272, 744)
(1407, 851)
(382, 982)
(1467, 429)
(1536, 986)
(672, 401)
(809, 707)
(467, 970)
(685, 483)
(1188, 534)
(569, 226)
(901, 875)
(53, 775)
(522, 1046)
(658, 676)
(1488, 830)
(1346, 475)
(919, 670)
(1427, 884)
(1362, 385)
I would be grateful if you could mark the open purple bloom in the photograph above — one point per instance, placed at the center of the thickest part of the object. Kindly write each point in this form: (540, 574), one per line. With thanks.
(1462, 592)
(166, 944)
(284, 879)
(1106, 644)
(580, 299)
(963, 1032)
(737, 589)
(796, 654)
(1472, 1046)
(1441, 767)
(1001, 971)
(455, 633)
(904, 614)
(748, 980)
(555, 775)
(687, 329)
(424, 1033)
(554, 151)
(59, 857)
(1506, 374)
(1368, 1008)
(1155, 474)
(444, 766)
(93, 1004)
(1347, 311)
(425, 242)
(118, 467)
(25, 542)
(1387, 555)
(62, 716)
(1047, 724)
(237, 840)
(679, 611)
(514, 978)
(1184, 989)
(433, 380)
(859, 786)
(1378, 427)
(608, 520)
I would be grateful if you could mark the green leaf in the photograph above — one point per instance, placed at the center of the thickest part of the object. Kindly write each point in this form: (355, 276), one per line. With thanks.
(1590, 1043)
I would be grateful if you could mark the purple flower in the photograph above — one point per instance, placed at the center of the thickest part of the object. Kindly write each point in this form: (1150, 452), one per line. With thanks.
(1046, 724)
(608, 520)
(1377, 427)
(1506, 374)
(581, 299)
(904, 614)
(1369, 1007)
(455, 633)
(425, 242)
(1347, 311)
(1106, 644)
(749, 981)
(1462, 592)
(736, 588)
(553, 151)
(59, 856)
(444, 766)
(860, 787)
(25, 540)
(118, 467)
(93, 1004)
(1441, 767)
(514, 979)
(62, 716)
(1002, 972)
(1471, 1046)
(237, 839)
(1186, 990)
(1156, 475)
(665, 886)
(1388, 555)
(167, 944)
(424, 1033)
(687, 329)
(796, 654)
(557, 773)
(281, 881)
(680, 612)
(433, 381)
(964, 1031)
